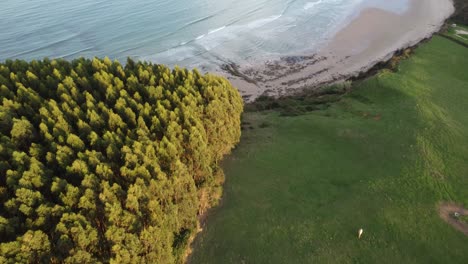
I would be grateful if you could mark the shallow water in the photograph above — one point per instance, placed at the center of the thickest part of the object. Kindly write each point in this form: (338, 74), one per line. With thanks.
(187, 33)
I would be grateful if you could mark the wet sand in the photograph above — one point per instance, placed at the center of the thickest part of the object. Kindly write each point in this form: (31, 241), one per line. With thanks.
(372, 37)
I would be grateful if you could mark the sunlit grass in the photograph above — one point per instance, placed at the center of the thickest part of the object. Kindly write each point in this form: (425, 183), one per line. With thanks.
(299, 189)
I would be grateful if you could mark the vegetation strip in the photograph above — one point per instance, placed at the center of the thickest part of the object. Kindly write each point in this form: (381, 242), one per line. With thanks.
(454, 40)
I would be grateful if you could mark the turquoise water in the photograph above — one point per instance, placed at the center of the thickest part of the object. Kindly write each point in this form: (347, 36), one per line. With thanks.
(187, 33)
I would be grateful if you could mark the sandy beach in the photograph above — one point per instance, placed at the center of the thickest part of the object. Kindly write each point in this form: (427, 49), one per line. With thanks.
(371, 37)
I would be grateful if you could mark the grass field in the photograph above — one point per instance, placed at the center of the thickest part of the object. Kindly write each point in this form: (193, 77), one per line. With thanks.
(460, 32)
(464, 219)
(382, 158)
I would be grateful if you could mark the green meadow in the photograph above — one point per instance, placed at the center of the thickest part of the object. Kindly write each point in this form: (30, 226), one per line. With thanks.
(299, 187)
(458, 32)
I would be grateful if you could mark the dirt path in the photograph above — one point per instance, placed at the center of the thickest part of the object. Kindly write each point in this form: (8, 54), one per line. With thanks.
(447, 211)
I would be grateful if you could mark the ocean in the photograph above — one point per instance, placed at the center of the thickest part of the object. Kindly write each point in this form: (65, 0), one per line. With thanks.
(189, 33)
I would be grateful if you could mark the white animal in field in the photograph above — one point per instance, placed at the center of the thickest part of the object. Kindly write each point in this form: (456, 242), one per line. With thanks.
(360, 233)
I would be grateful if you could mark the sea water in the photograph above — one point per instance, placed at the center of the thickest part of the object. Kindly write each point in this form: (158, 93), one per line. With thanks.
(191, 33)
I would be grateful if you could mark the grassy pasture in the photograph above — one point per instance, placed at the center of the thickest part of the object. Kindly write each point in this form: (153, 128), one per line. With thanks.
(298, 188)
(458, 32)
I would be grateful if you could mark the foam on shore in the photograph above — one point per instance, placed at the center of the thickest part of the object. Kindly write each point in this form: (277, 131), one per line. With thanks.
(374, 35)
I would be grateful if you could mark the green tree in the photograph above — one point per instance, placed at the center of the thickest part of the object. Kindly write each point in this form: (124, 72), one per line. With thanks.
(22, 132)
(104, 163)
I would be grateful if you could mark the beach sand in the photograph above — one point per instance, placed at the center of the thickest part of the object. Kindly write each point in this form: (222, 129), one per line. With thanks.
(373, 36)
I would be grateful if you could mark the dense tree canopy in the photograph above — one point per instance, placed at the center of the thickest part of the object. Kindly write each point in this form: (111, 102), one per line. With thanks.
(105, 163)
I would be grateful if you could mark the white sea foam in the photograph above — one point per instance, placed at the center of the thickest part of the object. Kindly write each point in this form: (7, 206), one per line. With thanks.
(200, 37)
(261, 22)
(311, 5)
(250, 27)
(256, 37)
(216, 30)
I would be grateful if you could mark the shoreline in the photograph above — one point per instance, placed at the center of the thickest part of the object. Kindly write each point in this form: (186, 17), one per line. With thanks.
(372, 37)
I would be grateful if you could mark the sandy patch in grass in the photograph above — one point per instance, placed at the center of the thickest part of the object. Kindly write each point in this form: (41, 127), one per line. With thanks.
(447, 213)
(461, 32)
